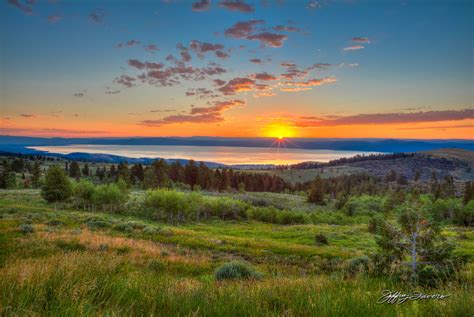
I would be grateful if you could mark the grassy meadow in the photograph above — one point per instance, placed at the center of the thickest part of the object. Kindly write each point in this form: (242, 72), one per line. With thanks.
(58, 261)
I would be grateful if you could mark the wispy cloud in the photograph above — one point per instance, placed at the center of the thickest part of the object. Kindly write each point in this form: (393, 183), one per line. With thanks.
(236, 5)
(26, 7)
(392, 118)
(353, 48)
(201, 5)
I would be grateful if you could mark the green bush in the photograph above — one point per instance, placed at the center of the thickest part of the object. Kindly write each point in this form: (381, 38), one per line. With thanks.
(237, 270)
(26, 228)
(57, 186)
(358, 264)
(84, 192)
(364, 205)
(321, 239)
(110, 197)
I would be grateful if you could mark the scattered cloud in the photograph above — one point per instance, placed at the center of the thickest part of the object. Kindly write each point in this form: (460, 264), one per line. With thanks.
(202, 48)
(151, 48)
(353, 48)
(28, 115)
(125, 80)
(294, 89)
(97, 15)
(141, 65)
(79, 94)
(54, 18)
(256, 60)
(128, 43)
(242, 30)
(236, 85)
(212, 114)
(286, 28)
(269, 39)
(263, 76)
(313, 82)
(360, 39)
(236, 5)
(26, 7)
(201, 5)
(391, 118)
(218, 107)
(201, 93)
(49, 131)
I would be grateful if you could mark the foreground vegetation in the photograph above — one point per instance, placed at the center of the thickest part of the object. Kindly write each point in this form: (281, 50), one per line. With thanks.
(60, 261)
(173, 240)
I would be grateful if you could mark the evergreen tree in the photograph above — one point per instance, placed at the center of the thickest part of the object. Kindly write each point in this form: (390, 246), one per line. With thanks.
(85, 170)
(316, 192)
(74, 170)
(190, 173)
(57, 186)
(36, 174)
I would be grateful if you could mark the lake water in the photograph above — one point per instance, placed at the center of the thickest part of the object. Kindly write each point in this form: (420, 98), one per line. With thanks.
(221, 154)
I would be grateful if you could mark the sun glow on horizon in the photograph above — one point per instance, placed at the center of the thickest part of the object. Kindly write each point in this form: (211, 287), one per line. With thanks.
(279, 131)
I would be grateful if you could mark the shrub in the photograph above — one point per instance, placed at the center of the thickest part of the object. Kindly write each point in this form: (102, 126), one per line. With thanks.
(26, 228)
(84, 194)
(124, 227)
(70, 246)
(95, 223)
(55, 222)
(57, 186)
(110, 197)
(364, 205)
(321, 239)
(156, 265)
(358, 264)
(237, 270)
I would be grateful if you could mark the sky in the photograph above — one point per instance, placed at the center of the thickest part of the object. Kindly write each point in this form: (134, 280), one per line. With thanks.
(284, 68)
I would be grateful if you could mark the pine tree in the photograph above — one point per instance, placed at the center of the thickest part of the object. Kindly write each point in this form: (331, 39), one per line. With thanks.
(36, 174)
(74, 170)
(85, 170)
(316, 192)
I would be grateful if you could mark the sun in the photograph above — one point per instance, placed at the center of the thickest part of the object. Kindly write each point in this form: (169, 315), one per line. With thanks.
(279, 131)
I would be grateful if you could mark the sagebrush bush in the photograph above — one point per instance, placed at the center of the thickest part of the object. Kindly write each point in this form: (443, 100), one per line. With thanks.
(358, 264)
(237, 270)
(26, 228)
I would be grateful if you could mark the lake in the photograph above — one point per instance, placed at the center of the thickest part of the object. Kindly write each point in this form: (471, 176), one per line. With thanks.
(220, 154)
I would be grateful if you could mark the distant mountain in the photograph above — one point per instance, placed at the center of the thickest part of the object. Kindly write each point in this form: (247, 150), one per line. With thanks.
(18, 143)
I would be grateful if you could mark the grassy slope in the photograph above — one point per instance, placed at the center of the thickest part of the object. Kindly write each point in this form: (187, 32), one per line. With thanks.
(70, 267)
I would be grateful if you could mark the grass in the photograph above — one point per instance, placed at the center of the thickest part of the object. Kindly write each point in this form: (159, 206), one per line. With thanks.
(132, 266)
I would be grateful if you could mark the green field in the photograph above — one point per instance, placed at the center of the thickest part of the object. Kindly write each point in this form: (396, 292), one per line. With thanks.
(95, 263)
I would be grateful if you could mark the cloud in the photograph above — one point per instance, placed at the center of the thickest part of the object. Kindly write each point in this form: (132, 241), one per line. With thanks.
(140, 65)
(201, 93)
(392, 118)
(163, 110)
(440, 127)
(128, 44)
(201, 5)
(294, 89)
(269, 39)
(97, 15)
(49, 131)
(202, 48)
(203, 118)
(242, 30)
(360, 39)
(28, 115)
(125, 80)
(263, 76)
(54, 18)
(112, 92)
(313, 82)
(151, 48)
(25, 8)
(353, 48)
(236, 5)
(313, 4)
(79, 94)
(286, 28)
(236, 85)
(256, 60)
(219, 107)
(212, 114)
(185, 56)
